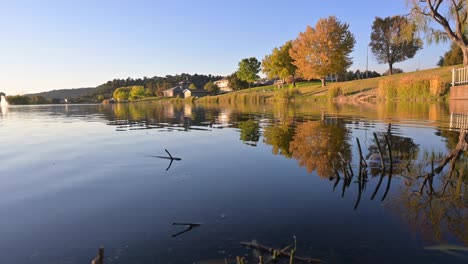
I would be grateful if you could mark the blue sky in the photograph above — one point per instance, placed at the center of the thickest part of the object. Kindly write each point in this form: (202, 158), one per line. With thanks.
(49, 45)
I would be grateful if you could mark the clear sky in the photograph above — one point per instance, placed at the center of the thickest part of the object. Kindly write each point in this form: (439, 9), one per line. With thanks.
(48, 44)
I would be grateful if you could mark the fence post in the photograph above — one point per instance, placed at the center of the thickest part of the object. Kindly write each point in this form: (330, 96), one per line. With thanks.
(453, 76)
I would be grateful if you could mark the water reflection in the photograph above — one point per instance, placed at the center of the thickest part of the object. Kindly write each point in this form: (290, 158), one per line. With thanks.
(279, 136)
(249, 132)
(317, 145)
(436, 208)
(218, 181)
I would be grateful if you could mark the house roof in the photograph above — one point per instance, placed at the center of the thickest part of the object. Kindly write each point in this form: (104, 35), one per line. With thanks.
(178, 87)
(223, 79)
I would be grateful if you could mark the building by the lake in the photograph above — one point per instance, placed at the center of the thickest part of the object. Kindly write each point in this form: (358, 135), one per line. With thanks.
(223, 85)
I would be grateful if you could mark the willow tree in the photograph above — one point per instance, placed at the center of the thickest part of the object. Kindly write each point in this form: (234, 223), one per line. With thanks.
(279, 63)
(324, 50)
(393, 40)
(451, 17)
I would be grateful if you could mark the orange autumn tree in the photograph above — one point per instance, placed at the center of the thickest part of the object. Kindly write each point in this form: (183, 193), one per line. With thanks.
(324, 50)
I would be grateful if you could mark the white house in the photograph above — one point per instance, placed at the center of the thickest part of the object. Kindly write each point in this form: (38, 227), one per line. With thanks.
(223, 85)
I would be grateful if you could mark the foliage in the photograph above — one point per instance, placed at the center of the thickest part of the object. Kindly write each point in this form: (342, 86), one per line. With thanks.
(211, 87)
(18, 99)
(286, 94)
(2, 94)
(249, 132)
(192, 86)
(122, 94)
(137, 92)
(452, 57)
(334, 92)
(317, 146)
(155, 85)
(395, 71)
(451, 15)
(248, 70)
(65, 93)
(323, 50)
(393, 40)
(235, 83)
(279, 136)
(39, 100)
(411, 88)
(357, 75)
(279, 63)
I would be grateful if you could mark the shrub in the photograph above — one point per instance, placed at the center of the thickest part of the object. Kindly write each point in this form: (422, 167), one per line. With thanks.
(334, 91)
(285, 94)
(411, 88)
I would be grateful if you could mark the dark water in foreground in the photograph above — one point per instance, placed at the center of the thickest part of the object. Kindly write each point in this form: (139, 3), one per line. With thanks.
(79, 176)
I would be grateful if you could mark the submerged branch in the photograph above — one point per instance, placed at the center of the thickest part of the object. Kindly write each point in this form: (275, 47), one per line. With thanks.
(283, 252)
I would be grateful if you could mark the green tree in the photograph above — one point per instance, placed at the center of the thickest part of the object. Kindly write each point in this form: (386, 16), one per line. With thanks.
(452, 57)
(137, 92)
(37, 99)
(192, 86)
(211, 87)
(18, 99)
(122, 93)
(279, 63)
(452, 16)
(248, 70)
(391, 42)
(2, 94)
(324, 50)
(235, 83)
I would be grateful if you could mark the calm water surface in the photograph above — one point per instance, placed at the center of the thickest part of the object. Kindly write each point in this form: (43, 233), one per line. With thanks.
(74, 177)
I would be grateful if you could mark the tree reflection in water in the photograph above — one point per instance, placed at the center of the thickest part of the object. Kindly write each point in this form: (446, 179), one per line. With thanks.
(436, 204)
(279, 136)
(317, 144)
(249, 132)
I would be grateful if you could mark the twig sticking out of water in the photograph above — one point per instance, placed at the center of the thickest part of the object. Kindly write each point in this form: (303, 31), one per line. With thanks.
(461, 147)
(163, 157)
(382, 162)
(188, 227)
(362, 161)
(99, 259)
(282, 253)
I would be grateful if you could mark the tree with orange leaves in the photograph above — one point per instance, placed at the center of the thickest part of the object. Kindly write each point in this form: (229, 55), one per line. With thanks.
(324, 50)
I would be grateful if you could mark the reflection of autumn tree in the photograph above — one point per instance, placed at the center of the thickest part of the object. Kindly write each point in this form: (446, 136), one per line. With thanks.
(249, 132)
(317, 145)
(279, 136)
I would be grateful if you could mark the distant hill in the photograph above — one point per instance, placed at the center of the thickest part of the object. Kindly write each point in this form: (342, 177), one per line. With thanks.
(65, 93)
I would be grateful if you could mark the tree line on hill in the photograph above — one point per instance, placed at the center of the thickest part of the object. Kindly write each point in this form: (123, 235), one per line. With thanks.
(153, 86)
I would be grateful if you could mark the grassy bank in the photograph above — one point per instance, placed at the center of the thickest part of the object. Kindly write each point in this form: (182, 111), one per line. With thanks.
(429, 84)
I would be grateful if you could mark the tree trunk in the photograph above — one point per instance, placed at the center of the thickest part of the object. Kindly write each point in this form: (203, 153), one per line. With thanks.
(391, 68)
(323, 82)
(465, 56)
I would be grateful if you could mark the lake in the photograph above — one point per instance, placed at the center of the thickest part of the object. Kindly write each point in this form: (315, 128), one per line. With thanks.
(74, 177)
